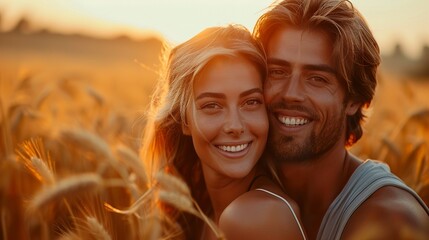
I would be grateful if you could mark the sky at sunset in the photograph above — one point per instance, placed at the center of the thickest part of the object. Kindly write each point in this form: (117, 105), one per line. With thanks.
(177, 20)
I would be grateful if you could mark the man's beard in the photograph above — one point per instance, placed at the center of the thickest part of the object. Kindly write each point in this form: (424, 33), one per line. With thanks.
(285, 149)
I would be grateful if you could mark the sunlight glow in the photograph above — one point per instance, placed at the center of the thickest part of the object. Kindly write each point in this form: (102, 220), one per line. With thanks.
(391, 20)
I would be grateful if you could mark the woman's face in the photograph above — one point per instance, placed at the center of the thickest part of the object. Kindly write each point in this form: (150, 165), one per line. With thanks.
(227, 119)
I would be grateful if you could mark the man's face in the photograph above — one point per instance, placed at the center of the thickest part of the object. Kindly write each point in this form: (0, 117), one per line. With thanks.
(305, 98)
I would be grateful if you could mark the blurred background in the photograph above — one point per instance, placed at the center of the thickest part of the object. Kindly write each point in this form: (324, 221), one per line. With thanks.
(116, 44)
(92, 64)
(120, 40)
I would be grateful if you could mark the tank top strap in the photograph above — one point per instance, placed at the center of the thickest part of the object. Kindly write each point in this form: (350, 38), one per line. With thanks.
(253, 181)
(289, 206)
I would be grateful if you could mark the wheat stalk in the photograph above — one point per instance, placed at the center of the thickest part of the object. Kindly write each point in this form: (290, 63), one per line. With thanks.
(95, 95)
(69, 236)
(42, 170)
(87, 141)
(134, 207)
(3, 223)
(178, 200)
(132, 159)
(172, 183)
(187, 204)
(69, 187)
(6, 131)
(209, 222)
(42, 97)
(92, 142)
(97, 229)
(417, 156)
(37, 161)
(175, 192)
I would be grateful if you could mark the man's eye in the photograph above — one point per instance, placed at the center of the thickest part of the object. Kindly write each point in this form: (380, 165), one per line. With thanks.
(318, 79)
(277, 73)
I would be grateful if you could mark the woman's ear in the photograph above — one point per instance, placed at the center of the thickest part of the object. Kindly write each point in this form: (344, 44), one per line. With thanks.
(352, 107)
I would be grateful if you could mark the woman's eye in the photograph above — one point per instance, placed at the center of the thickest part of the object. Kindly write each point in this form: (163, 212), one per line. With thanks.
(211, 106)
(253, 102)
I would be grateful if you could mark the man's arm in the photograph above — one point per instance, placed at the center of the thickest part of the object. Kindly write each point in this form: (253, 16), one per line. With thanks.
(390, 213)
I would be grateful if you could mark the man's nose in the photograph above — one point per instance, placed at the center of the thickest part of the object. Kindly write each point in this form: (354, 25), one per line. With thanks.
(292, 89)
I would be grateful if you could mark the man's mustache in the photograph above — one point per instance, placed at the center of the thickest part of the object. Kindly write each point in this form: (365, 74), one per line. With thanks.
(295, 107)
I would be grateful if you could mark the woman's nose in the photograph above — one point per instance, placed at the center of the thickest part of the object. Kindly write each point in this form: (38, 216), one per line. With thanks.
(234, 124)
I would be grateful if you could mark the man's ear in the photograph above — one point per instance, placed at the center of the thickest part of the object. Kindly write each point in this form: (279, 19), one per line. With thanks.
(352, 107)
(185, 129)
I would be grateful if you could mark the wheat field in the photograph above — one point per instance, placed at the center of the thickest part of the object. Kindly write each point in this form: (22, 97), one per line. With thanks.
(71, 127)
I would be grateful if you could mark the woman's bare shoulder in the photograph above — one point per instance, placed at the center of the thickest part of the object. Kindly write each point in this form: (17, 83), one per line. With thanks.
(258, 215)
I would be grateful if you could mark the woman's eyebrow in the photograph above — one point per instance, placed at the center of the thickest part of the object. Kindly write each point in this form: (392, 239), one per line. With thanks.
(223, 96)
(210, 94)
(250, 91)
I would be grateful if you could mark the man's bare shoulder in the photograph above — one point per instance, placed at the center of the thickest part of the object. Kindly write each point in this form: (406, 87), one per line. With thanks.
(390, 213)
(258, 215)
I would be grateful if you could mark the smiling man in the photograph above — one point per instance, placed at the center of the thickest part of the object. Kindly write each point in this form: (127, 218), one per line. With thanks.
(322, 60)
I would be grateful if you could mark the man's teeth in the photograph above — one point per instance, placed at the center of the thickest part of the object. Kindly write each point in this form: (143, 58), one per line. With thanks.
(293, 121)
(236, 148)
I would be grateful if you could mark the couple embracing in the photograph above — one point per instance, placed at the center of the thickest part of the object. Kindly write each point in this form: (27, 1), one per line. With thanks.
(258, 126)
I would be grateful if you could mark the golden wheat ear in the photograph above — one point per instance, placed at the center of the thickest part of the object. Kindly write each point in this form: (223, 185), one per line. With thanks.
(131, 159)
(172, 183)
(68, 188)
(134, 207)
(37, 160)
(175, 192)
(97, 229)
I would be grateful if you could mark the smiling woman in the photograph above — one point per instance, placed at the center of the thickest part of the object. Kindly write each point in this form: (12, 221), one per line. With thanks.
(209, 126)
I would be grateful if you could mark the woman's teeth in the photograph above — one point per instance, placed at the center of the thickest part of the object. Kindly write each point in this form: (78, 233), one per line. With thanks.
(236, 148)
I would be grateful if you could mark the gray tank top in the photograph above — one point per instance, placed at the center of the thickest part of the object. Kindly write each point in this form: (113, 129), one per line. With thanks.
(367, 178)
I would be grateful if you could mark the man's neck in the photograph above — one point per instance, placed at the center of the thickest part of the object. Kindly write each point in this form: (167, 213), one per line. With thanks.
(315, 184)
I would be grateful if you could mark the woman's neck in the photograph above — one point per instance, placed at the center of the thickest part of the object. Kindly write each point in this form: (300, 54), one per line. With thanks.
(223, 190)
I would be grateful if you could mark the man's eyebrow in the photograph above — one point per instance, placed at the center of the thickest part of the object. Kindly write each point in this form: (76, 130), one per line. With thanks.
(278, 61)
(312, 67)
(321, 67)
